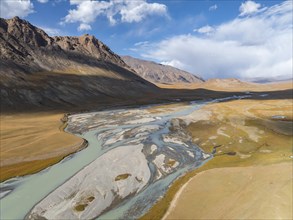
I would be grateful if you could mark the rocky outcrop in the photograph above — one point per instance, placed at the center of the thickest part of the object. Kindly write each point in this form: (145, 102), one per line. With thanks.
(158, 73)
(43, 71)
(89, 45)
(31, 48)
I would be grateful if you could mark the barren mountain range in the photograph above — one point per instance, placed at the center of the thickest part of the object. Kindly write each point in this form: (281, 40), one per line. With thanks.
(40, 70)
(159, 73)
(78, 73)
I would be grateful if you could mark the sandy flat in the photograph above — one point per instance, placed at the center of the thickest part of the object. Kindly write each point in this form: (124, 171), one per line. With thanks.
(261, 192)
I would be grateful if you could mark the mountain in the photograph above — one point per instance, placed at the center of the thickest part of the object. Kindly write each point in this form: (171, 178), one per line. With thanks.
(158, 73)
(227, 84)
(268, 79)
(42, 71)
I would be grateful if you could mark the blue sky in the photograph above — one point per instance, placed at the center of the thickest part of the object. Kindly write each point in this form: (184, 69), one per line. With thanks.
(210, 38)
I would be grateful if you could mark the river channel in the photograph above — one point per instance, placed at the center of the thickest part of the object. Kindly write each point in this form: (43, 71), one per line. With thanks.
(133, 156)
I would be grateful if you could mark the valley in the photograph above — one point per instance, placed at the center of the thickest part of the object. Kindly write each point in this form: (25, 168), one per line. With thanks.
(88, 134)
(31, 142)
(252, 145)
(152, 147)
(141, 135)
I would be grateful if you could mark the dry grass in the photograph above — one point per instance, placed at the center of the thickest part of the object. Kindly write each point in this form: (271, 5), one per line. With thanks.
(162, 108)
(245, 126)
(234, 193)
(32, 142)
(234, 126)
(83, 204)
(25, 168)
(230, 85)
(122, 176)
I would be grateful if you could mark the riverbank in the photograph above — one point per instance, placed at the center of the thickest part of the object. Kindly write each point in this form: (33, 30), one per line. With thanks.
(146, 139)
(246, 133)
(32, 139)
(30, 142)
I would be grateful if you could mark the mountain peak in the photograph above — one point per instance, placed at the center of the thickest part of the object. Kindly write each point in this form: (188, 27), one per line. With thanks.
(87, 35)
(22, 30)
(43, 71)
(18, 21)
(16, 18)
(24, 43)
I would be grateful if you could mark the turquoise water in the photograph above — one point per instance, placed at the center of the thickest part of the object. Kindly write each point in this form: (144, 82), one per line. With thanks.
(29, 190)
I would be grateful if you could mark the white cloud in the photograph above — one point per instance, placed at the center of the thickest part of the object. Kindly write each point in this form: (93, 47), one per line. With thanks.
(249, 7)
(213, 7)
(86, 12)
(76, 2)
(135, 11)
(11, 8)
(246, 47)
(141, 43)
(84, 27)
(205, 30)
(51, 31)
(174, 63)
(43, 1)
(127, 11)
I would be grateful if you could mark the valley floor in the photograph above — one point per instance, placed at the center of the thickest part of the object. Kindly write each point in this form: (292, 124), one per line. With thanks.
(250, 176)
(258, 192)
(33, 141)
(252, 165)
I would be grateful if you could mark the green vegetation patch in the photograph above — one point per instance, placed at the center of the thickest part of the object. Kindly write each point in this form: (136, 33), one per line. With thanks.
(80, 207)
(122, 176)
(170, 163)
(83, 204)
(91, 198)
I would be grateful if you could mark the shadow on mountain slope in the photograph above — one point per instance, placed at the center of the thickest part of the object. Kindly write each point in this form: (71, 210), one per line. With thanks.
(68, 92)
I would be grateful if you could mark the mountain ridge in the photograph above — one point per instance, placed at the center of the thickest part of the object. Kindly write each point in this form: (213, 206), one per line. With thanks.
(42, 71)
(159, 73)
(24, 41)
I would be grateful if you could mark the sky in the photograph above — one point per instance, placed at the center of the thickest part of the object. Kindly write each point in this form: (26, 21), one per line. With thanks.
(214, 39)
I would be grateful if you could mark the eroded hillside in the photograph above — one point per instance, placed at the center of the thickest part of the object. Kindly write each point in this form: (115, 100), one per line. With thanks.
(42, 71)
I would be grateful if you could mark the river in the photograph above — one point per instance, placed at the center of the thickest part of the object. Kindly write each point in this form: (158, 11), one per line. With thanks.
(133, 156)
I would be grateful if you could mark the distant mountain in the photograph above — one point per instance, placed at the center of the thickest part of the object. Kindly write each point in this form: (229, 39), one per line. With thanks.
(226, 83)
(158, 73)
(45, 71)
(268, 79)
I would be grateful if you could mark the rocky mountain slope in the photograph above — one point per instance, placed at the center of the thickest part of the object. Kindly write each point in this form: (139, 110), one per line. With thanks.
(158, 73)
(45, 71)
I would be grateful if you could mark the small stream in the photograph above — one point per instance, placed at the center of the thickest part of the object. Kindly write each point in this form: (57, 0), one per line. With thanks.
(103, 131)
